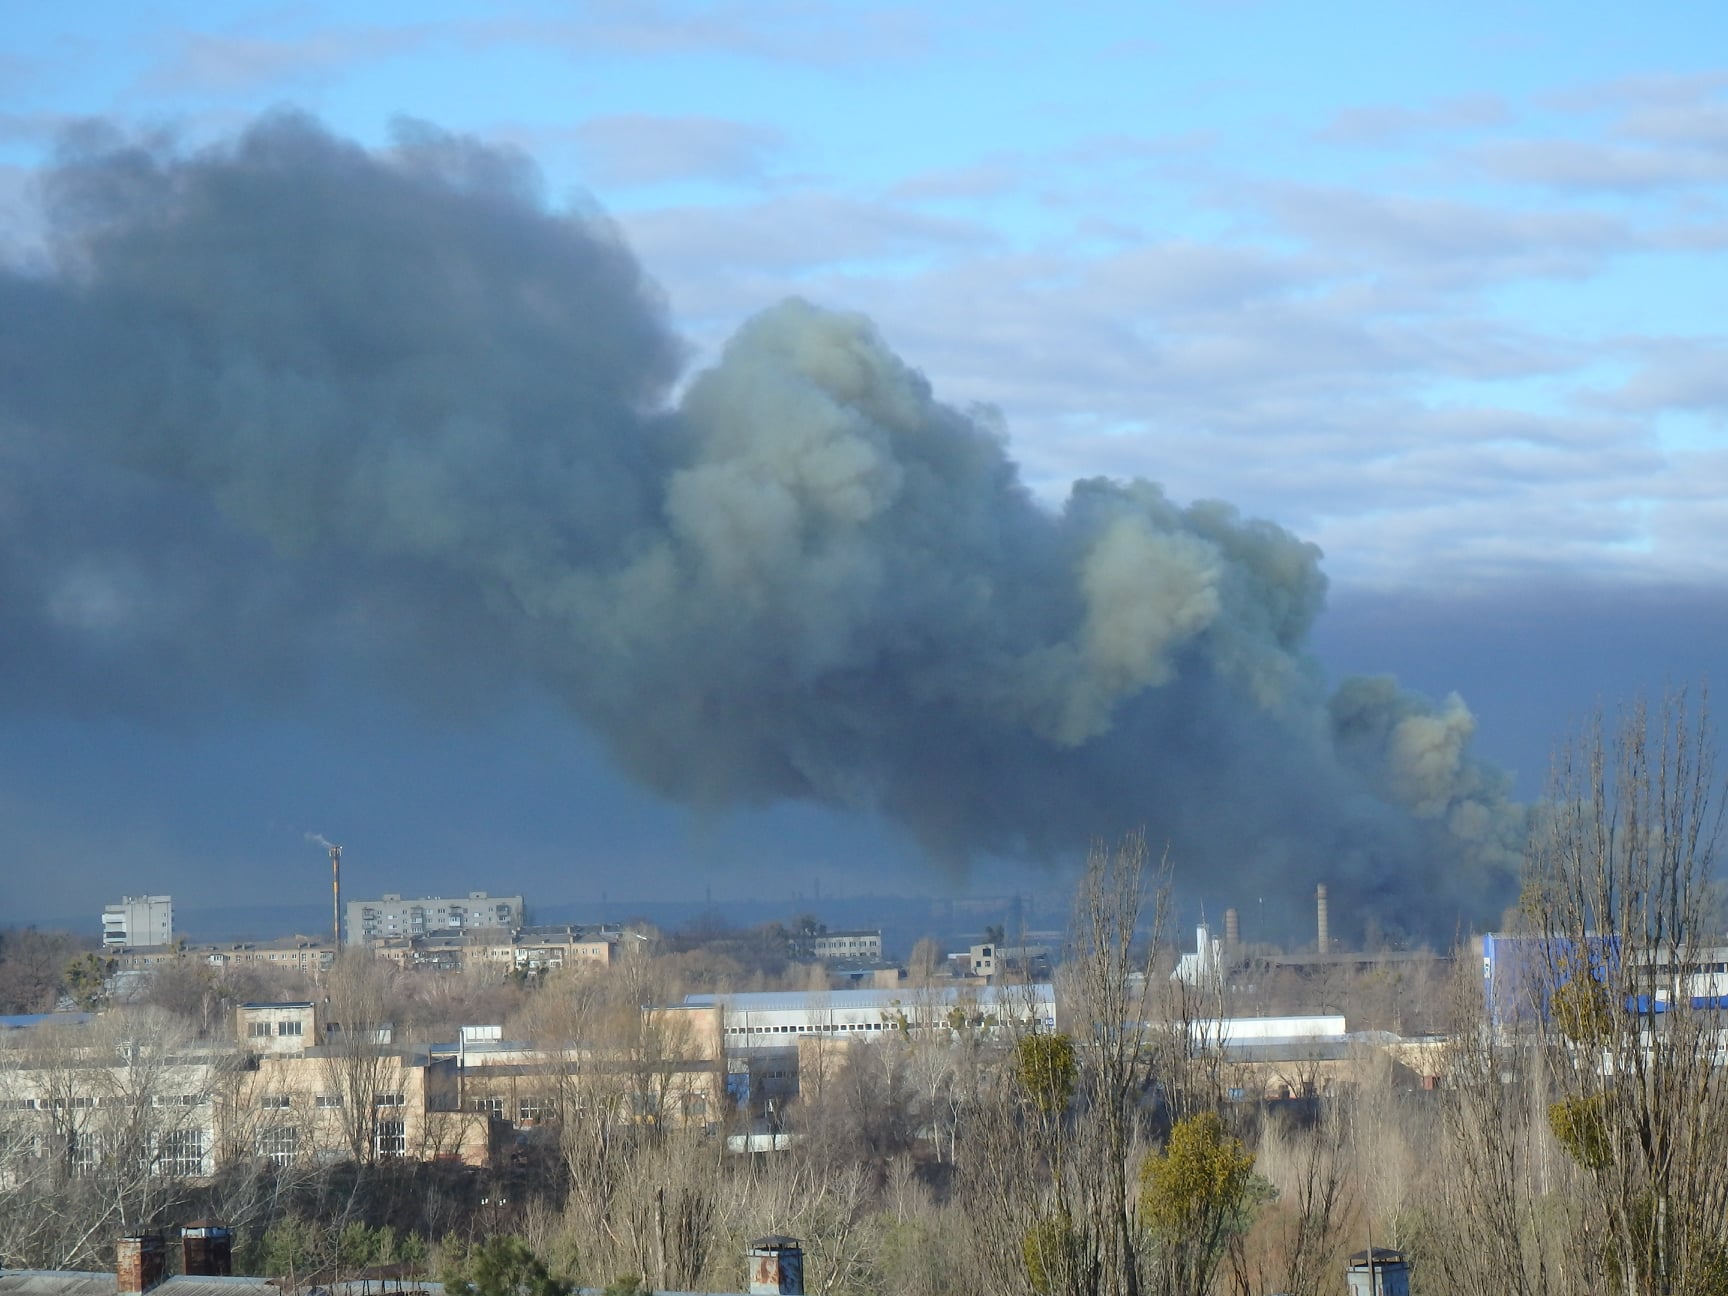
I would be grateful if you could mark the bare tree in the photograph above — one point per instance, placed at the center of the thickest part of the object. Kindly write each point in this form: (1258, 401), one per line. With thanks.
(358, 1057)
(103, 1127)
(1620, 885)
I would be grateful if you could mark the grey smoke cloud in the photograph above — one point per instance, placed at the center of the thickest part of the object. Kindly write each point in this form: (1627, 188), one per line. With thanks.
(290, 392)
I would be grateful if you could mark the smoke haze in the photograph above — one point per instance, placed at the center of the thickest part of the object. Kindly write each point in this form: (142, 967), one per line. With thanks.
(287, 398)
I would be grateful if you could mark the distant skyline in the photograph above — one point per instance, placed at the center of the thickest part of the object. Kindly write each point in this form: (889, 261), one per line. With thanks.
(1433, 287)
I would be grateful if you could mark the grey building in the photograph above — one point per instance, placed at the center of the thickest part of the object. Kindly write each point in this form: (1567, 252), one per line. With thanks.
(390, 915)
(848, 946)
(138, 920)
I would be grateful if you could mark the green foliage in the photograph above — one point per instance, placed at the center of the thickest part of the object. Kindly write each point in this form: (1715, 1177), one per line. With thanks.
(1582, 1008)
(1046, 1068)
(292, 1245)
(627, 1285)
(500, 1266)
(1580, 1125)
(87, 980)
(1204, 1178)
(1054, 1252)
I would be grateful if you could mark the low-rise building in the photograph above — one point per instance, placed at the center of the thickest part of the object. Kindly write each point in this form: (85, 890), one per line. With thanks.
(541, 949)
(991, 959)
(847, 946)
(776, 1019)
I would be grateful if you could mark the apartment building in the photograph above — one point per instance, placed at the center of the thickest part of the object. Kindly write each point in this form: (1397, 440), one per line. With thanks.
(292, 953)
(391, 916)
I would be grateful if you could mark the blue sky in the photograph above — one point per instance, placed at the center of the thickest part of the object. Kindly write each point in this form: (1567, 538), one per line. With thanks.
(1434, 286)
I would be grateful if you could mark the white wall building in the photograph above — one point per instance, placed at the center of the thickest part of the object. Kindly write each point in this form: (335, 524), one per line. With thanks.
(777, 1019)
(139, 920)
(391, 916)
(848, 946)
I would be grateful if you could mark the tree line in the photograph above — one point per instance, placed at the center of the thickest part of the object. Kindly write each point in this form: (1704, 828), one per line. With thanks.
(1575, 1145)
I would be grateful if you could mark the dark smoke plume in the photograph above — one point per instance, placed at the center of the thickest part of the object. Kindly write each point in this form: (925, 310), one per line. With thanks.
(288, 388)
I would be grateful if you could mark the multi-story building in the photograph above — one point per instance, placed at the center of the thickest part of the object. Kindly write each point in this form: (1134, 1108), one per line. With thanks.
(540, 949)
(293, 953)
(847, 946)
(117, 1094)
(138, 920)
(391, 916)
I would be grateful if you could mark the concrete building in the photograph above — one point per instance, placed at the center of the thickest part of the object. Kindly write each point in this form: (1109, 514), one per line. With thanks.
(292, 953)
(1204, 968)
(391, 916)
(992, 959)
(847, 946)
(138, 920)
(542, 949)
(776, 1019)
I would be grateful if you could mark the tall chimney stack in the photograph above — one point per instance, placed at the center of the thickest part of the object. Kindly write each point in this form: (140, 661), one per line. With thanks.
(1232, 929)
(139, 1263)
(1320, 919)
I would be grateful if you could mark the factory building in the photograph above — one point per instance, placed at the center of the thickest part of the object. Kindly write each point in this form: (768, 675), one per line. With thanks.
(138, 920)
(776, 1019)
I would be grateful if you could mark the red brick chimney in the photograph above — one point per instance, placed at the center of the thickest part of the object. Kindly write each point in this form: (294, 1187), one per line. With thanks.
(140, 1260)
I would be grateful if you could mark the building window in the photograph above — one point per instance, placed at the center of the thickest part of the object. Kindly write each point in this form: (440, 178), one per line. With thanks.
(530, 1111)
(493, 1106)
(83, 1153)
(391, 1100)
(275, 1102)
(290, 1028)
(328, 1100)
(278, 1144)
(180, 1153)
(392, 1138)
(258, 1030)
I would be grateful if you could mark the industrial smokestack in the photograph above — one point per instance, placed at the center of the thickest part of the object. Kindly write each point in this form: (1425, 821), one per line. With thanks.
(1321, 919)
(1232, 929)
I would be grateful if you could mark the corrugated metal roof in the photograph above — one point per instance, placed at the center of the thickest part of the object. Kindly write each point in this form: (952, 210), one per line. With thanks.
(55, 1282)
(67, 1282)
(23, 1021)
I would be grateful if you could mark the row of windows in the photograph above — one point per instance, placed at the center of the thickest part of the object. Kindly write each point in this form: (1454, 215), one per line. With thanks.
(81, 1102)
(805, 1030)
(175, 1153)
(527, 1109)
(264, 1029)
(280, 1144)
(282, 1102)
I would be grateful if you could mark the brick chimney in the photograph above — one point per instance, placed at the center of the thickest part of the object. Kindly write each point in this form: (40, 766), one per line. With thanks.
(140, 1262)
(206, 1249)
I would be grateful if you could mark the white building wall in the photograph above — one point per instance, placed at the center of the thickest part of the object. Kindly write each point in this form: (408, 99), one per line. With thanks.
(139, 920)
(776, 1020)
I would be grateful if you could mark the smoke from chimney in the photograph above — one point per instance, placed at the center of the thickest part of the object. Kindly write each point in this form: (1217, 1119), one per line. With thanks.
(288, 372)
